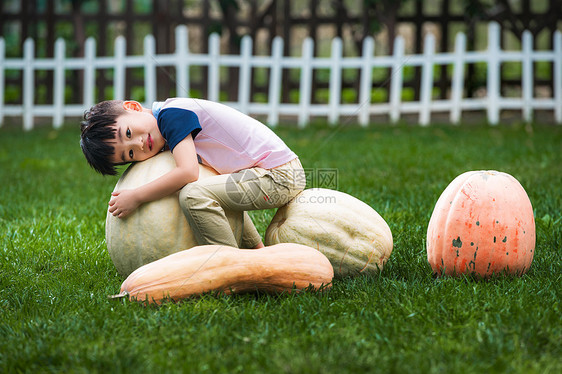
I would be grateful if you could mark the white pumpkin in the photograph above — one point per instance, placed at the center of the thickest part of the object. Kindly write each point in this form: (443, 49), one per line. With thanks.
(155, 229)
(351, 234)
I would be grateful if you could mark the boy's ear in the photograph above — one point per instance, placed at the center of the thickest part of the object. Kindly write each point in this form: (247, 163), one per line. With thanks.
(132, 105)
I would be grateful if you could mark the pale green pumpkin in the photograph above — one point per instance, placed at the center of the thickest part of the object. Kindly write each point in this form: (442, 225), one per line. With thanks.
(351, 234)
(158, 228)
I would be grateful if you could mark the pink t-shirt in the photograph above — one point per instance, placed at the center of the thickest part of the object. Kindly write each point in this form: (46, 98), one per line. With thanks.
(229, 140)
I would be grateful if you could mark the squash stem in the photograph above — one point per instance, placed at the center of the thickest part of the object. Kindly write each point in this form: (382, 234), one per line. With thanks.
(119, 296)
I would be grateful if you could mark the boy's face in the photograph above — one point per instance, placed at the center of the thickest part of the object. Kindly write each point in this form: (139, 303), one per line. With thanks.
(137, 136)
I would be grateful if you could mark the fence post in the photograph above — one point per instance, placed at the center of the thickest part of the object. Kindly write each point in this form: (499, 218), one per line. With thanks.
(557, 75)
(214, 77)
(89, 72)
(149, 70)
(275, 81)
(396, 79)
(366, 81)
(306, 82)
(58, 90)
(2, 84)
(335, 81)
(245, 82)
(457, 83)
(119, 74)
(493, 78)
(28, 83)
(427, 80)
(527, 76)
(182, 63)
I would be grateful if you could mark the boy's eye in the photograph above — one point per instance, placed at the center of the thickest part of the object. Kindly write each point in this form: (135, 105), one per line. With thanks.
(131, 153)
(128, 133)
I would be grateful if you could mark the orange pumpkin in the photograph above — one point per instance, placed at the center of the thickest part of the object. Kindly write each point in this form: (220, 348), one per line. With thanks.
(482, 224)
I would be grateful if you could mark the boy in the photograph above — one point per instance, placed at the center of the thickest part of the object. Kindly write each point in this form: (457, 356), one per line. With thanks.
(257, 170)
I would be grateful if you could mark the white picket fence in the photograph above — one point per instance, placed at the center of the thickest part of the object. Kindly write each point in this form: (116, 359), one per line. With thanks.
(334, 110)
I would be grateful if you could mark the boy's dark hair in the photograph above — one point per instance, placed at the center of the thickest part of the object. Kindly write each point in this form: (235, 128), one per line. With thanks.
(97, 129)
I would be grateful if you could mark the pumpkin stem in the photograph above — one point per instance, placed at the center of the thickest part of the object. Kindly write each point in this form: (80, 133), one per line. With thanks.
(118, 296)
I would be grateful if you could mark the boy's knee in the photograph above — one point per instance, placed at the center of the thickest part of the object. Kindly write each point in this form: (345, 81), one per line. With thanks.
(187, 193)
(193, 195)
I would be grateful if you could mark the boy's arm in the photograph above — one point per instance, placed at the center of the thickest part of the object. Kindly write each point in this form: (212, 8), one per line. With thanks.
(124, 202)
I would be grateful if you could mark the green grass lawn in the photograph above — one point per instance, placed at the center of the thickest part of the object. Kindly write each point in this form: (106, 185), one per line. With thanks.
(55, 272)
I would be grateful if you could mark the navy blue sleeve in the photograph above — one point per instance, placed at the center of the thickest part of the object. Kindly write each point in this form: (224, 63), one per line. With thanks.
(176, 124)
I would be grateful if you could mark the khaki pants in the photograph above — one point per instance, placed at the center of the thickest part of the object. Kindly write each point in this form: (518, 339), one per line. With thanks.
(203, 202)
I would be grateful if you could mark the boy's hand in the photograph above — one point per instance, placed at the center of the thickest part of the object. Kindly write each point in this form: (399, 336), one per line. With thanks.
(123, 203)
